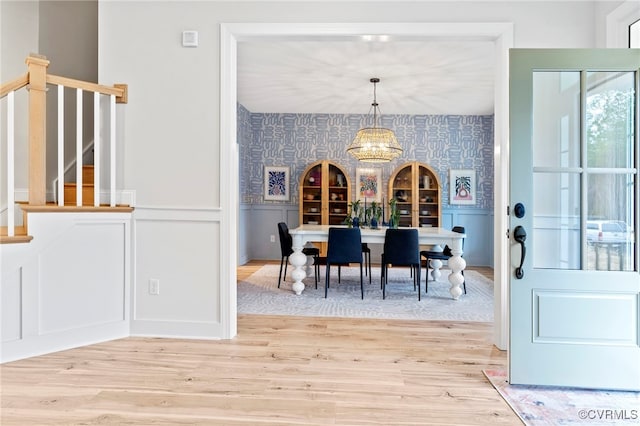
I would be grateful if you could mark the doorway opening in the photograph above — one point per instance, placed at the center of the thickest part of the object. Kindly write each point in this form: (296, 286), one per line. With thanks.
(500, 33)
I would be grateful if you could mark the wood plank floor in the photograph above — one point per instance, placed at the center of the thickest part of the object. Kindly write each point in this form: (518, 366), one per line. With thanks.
(278, 370)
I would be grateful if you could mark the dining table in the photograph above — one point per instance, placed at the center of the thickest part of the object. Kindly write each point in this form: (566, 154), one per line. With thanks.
(306, 233)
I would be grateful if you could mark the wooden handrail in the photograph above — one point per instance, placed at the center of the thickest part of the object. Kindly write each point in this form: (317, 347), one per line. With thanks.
(12, 85)
(119, 90)
(36, 81)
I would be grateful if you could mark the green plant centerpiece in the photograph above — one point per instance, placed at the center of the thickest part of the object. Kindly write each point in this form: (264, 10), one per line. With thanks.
(349, 219)
(355, 213)
(394, 216)
(374, 214)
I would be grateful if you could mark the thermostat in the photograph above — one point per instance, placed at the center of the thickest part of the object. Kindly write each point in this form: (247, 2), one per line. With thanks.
(190, 39)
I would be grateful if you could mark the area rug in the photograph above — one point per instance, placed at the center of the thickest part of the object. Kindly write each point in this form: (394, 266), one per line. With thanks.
(259, 294)
(541, 405)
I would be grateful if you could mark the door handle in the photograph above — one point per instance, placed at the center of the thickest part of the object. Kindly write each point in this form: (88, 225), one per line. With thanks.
(520, 235)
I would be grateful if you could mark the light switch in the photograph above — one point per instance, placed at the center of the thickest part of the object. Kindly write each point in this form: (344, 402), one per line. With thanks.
(154, 286)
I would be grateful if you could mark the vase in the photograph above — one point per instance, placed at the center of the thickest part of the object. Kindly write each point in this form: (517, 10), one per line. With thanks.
(426, 182)
(356, 222)
(393, 222)
(374, 223)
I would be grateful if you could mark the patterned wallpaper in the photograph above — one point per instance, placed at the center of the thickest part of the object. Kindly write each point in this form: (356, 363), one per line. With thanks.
(296, 140)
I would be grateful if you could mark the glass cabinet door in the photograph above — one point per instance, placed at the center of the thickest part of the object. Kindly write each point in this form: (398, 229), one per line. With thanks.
(428, 198)
(416, 189)
(311, 196)
(338, 196)
(324, 194)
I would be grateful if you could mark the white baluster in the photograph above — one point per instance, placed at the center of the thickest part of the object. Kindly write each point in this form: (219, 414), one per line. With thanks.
(60, 145)
(10, 165)
(97, 148)
(79, 147)
(112, 146)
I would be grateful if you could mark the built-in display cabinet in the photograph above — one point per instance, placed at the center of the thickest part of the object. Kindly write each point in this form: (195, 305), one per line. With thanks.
(416, 188)
(325, 193)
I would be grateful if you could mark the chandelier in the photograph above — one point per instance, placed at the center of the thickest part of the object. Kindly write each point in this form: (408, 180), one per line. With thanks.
(375, 144)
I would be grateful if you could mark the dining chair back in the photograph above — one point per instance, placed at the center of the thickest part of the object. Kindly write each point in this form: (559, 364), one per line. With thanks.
(286, 249)
(401, 248)
(445, 254)
(344, 246)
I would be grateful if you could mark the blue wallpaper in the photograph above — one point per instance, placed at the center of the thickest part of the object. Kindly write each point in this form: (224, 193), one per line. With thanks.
(296, 140)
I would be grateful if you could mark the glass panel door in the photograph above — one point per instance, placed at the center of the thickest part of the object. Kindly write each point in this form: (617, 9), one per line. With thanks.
(583, 163)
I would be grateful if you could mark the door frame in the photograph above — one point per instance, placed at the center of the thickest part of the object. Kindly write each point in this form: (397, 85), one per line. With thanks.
(500, 33)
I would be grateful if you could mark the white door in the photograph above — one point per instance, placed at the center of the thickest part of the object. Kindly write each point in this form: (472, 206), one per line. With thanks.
(574, 191)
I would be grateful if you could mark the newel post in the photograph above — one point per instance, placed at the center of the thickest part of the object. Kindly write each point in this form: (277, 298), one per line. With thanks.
(37, 66)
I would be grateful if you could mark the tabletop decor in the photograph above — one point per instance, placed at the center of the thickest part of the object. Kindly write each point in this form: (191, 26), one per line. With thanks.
(354, 217)
(276, 183)
(394, 215)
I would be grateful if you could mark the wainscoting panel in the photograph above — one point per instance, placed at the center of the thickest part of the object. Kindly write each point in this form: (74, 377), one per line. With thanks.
(244, 224)
(95, 280)
(478, 224)
(264, 225)
(11, 314)
(180, 248)
(69, 287)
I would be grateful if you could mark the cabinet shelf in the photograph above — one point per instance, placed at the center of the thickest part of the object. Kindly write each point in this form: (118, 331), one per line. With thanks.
(409, 184)
(330, 181)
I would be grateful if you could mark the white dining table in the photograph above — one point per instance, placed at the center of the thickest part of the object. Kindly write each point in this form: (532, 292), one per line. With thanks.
(427, 235)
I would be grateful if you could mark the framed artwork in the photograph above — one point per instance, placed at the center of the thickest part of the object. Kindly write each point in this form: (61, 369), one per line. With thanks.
(369, 184)
(276, 183)
(462, 186)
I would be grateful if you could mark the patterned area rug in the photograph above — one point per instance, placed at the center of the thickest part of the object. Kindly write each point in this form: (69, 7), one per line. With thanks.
(540, 405)
(259, 294)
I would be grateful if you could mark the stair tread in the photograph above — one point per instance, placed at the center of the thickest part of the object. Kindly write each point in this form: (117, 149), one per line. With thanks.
(19, 237)
(15, 240)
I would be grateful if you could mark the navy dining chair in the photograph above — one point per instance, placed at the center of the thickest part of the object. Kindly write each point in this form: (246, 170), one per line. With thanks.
(286, 249)
(401, 248)
(344, 246)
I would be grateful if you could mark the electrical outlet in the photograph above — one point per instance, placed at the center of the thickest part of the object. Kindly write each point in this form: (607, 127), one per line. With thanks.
(154, 286)
(272, 238)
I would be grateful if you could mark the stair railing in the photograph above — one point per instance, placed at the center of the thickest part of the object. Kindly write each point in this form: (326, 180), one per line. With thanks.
(35, 81)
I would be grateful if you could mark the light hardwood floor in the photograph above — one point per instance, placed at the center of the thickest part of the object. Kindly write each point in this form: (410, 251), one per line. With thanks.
(278, 370)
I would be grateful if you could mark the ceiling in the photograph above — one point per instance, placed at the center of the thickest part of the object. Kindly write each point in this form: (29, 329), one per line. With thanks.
(416, 77)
